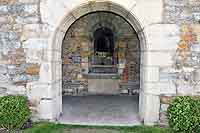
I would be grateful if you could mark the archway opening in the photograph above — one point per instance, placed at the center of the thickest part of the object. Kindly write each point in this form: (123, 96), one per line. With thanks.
(101, 55)
(101, 63)
(103, 60)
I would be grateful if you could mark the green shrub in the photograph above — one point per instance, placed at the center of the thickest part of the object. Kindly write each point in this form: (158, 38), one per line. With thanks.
(14, 112)
(184, 114)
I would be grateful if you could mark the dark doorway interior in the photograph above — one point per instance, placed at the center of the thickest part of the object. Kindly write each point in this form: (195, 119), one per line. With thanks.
(103, 60)
(104, 41)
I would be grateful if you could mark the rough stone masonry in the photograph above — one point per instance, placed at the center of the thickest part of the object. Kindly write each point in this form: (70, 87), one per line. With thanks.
(31, 34)
(78, 43)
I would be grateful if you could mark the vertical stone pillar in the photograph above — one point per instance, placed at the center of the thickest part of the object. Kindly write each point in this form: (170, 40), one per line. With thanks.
(149, 97)
(141, 105)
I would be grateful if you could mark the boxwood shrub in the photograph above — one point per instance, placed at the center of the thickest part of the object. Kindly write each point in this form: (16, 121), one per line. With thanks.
(184, 114)
(14, 112)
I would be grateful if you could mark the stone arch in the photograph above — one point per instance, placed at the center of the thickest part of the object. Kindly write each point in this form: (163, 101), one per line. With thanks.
(89, 7)
(148, 113)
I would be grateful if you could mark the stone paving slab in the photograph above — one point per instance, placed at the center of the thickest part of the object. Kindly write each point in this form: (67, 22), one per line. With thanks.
(100, 110)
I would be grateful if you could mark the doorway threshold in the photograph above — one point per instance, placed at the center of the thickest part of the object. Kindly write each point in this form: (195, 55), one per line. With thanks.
(104, 110)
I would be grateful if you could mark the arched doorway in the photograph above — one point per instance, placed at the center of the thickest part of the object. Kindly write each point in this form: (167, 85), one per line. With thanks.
(147, 112)
(101, 63)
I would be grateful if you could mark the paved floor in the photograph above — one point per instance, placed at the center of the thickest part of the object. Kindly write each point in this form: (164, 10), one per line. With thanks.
(100, 110)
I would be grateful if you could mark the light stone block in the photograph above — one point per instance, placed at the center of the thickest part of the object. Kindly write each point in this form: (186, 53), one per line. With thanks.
(80, 10)
(29, 1)
(151, 74)
(38, 90)
(4, 19)
(33, 56)
(152, 107)
(197, 89)
(151, 88)
(45, 72)
(168, 88)
(159, 88)
(32, 30)
(127, 4)
(47, 109)
(162, 30)
(3, 9)
(36, 44)
(148, 12)
(58, 107)
(3, 91)
(161, 43)
(141, 105)
(53, 12)
(56, 74)
(13, 89)
(28, 20)
(51, 55)
(185, 89)
(30, 9)
(162, 36)
(4, 78)
(3, 69)
(58, 71)
(158, 58)
(16, 90)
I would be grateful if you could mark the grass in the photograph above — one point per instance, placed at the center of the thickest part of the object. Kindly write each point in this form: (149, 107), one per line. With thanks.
(58, 128)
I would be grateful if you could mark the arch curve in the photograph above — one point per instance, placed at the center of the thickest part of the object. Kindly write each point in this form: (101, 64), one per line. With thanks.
(90, 7)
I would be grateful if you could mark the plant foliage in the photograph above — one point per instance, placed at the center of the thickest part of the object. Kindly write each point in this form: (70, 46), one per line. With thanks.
(184, 114)
(14, 112)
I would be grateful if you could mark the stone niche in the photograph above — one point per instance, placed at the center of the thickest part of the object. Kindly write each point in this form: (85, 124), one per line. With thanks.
(101, 55)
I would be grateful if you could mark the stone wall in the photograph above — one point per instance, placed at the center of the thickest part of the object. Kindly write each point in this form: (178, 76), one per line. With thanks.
(78, 49)
(23, 37)
(19, 22)
(184, 72)
(31, 34)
